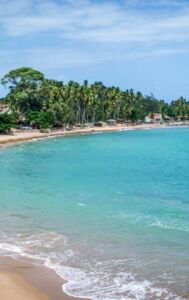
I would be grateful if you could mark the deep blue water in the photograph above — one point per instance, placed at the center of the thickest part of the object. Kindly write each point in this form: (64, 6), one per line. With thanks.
(109, 212)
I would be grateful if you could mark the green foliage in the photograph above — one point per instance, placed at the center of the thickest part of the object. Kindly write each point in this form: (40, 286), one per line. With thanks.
(22, 77)
(7, 121)
(38, 119)
(180, 109)
(24, 85)
(47, 103)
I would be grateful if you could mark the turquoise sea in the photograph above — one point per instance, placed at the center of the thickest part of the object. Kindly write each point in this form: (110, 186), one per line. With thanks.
(108, 212)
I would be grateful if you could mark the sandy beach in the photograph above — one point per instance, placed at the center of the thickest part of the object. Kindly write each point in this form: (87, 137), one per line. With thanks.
(15, 287)
(22, 280)
(24, 136)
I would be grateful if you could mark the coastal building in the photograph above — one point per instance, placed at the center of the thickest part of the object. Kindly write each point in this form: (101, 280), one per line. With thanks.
(153, 118)
(148, 120)
(99, 124)
(111, 122)
(157, 117)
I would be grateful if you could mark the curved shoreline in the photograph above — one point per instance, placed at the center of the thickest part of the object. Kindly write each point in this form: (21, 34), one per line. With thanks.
(38, 283)
(27, 136)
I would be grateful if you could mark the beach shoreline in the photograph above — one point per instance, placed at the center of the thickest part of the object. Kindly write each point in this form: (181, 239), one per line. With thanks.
(40, 282)
(20, 280)
(26, 279)
(21, 136)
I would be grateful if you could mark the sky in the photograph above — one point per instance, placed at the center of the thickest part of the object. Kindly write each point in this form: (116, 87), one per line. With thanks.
(139, 44)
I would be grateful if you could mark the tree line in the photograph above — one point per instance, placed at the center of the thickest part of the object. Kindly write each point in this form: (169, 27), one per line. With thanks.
(46, 103)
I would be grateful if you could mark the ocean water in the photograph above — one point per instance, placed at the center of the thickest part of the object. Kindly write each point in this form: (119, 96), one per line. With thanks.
(108, 212)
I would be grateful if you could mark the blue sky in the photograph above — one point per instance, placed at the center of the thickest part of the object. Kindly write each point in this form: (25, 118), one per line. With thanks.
(139, 44)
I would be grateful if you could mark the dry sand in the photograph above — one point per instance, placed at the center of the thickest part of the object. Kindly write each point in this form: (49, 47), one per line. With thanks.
(24, 136)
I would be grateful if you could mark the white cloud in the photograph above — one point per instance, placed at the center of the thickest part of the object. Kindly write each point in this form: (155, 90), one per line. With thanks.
(85, 18)
(110, 29)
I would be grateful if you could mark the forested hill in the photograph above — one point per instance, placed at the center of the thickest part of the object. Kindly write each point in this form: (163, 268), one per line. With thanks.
(34, 99)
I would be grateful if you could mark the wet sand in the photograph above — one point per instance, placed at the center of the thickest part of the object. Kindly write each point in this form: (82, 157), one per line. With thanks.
(22, 280)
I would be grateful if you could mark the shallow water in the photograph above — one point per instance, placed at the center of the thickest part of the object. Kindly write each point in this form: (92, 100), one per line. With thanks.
(109, 212)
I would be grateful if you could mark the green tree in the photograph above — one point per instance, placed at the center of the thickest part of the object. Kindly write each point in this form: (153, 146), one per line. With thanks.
(23, 84)
(7, 121)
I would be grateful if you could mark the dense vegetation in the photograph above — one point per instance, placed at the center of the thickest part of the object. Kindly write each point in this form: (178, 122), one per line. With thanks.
(43, 103)
(7, 121)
